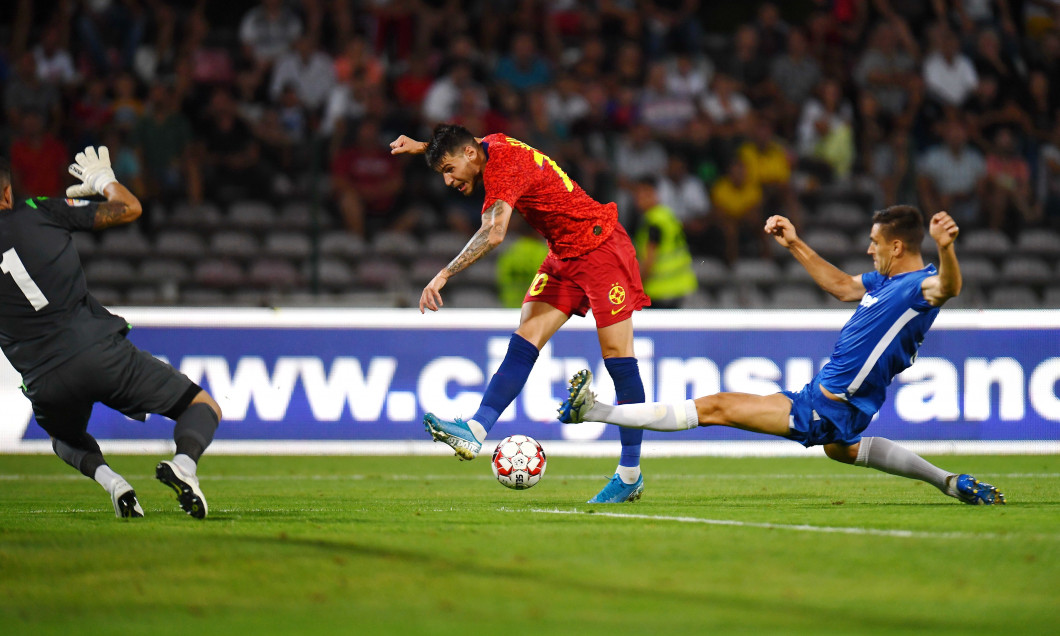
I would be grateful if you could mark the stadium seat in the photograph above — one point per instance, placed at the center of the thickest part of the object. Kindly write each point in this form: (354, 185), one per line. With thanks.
(856, 265)
(180, 244)
(741, 297)
(380, 274)
(1051, 298)
(272, 273)
(423, 269)
(794, 272)
(756, 271)
(371, 299)
(710, 272)
(396, 244)
(1014, 297)
(142, 295)
(794, 296)
(342, 244)
(288, 245)
(842, 216)
(107, 296)
(978, 271)
(972, 296)
(472, 298)
(333, 274)
(164, 270)
(192, 216)
(126, 242)
(114, 272)
(988, 243)
(235, 244)
(1026, 270)
(699, 299)
(1039, 242)
(445, 245)
(201, 297)
(299, 216)
(253, 216)
(829, 243)
(219, 273)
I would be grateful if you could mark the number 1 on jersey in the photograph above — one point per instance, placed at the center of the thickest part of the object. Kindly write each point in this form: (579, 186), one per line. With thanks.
(12, 264)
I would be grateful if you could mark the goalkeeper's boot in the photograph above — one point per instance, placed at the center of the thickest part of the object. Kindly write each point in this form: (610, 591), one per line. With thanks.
(125, 503)
(580, 399)
(972, 491)
(618, 491)
(454, 433)
(189, 495)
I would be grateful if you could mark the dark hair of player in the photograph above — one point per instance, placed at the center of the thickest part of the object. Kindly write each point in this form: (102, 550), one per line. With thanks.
(902, 222)
(448, 139)
(5, 173)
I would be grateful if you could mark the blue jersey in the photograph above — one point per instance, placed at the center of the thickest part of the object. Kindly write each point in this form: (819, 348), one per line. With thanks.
(881, 339)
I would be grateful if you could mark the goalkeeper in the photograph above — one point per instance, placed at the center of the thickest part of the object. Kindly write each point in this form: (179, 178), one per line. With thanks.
(72, 352)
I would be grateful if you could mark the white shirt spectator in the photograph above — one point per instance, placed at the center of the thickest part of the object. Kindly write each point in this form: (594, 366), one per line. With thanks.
(687, 198)
(443, 97)
(269, 35)
(313, 78)
(342, 104)
(953, 174)
(814, 110)
(721, 113)
(953, 81)
(638, 161)
(56, 67)
(689, 78)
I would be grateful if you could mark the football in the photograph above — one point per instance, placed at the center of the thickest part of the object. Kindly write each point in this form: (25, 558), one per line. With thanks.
(518, 462)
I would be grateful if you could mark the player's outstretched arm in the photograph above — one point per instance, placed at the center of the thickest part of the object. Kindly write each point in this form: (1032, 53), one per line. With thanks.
(92, 167)
(947, 283)
(121, 207)
(494, 227)
(829, 277)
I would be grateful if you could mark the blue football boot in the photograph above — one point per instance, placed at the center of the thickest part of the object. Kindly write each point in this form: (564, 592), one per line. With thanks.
(972, 491)
(617, 491)
(455, 433)
(579, 401)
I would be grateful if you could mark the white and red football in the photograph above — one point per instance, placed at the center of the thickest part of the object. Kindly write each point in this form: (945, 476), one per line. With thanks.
(519, 462)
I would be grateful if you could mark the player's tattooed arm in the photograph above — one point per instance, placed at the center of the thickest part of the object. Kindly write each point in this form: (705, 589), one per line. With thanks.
(494, 226)
(111, 213)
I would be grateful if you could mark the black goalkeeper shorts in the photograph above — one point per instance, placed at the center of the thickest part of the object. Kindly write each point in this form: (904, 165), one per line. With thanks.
(112, 372)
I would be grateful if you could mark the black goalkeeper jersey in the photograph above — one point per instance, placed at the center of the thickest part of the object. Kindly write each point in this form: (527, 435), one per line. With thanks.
(47, 315)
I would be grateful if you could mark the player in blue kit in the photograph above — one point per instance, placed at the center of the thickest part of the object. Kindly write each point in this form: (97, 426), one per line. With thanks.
(898, 304)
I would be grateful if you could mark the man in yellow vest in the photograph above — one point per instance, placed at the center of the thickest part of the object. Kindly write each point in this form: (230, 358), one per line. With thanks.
(665, 262)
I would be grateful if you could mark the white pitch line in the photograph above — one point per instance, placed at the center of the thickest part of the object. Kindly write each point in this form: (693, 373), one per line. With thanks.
(877, 532)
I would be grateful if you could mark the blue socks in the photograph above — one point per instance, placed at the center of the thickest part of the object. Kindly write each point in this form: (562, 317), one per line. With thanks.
(629, 389)
(508, 381)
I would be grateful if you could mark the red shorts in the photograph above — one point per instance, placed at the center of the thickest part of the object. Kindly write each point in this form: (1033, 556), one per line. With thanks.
(606, 280)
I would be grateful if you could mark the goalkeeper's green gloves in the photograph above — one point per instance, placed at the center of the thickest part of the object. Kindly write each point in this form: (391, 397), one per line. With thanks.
(94, 170)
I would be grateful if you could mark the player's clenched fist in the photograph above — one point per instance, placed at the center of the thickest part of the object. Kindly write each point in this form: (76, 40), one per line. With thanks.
(781, 229)
(407, 145)
(943, 229)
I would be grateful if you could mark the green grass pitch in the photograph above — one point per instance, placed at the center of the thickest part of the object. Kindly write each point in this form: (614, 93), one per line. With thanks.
(429, 545)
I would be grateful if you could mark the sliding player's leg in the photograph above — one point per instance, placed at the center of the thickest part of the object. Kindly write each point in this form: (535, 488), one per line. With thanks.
(538, 323)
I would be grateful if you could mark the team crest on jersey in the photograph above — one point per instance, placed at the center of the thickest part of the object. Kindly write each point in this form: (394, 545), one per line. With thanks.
(77, 203)
(617, 295)
(868, 301)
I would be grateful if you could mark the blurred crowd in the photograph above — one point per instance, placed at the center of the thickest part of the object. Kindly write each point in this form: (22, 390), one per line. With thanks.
(735, 112)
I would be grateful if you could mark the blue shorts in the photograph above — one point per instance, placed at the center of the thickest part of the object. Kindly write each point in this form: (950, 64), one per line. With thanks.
(816, 420)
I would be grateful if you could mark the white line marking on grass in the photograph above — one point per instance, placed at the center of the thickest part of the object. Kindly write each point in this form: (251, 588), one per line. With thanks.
(876, 532)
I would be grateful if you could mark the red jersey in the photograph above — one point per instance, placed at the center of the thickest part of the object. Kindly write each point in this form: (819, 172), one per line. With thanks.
(571, 221)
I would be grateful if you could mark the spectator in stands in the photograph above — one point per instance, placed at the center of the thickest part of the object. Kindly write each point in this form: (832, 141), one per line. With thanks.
(989, 59)
(523, 68)
(38, 158)
(949, 75)
(26, 92)
(771, 29)
(662, 251)
(269, 30)
(55, 65)
(729, 109)
(768, 162)
(887, 68)
(951, 176)
(127, 105)
(1042, 111)
(670, 26)
(411, 86)
(1049, 179)
(667, 114)
(1008, 196)
(163, 140)
(228, 153)
(367, 184)
(746, 65)
(686, 196)
(988, 110)
(825, 133)
(794, 74)
(703, 150)
(689, 75)
(737, 202)
(211, 63)
(565, 101)
(111, 32)
(443, 98)
(92, 112)
(308, 69)
(638, 155)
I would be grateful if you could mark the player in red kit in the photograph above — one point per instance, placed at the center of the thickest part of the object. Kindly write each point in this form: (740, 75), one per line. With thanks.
(591, 264)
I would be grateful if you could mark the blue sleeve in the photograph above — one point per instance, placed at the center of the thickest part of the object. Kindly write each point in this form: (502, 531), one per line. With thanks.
(871, 280)
(916, 292)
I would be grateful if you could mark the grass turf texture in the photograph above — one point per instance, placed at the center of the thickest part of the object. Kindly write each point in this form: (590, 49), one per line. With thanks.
(428, 545)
